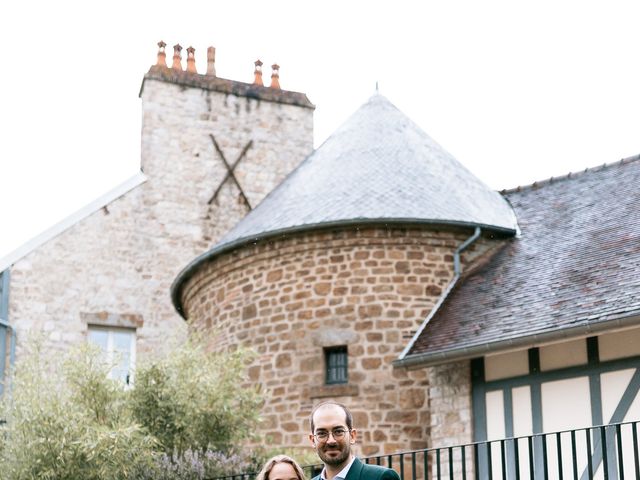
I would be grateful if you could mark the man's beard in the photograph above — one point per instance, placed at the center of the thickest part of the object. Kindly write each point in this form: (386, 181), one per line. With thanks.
(345, 451)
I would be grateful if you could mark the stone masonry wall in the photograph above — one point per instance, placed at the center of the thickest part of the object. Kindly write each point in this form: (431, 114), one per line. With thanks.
(368, 288)
(116, 266)
(178, 150)
(450, 404)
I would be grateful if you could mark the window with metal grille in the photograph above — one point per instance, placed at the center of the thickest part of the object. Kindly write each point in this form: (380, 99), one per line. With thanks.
(336, 365)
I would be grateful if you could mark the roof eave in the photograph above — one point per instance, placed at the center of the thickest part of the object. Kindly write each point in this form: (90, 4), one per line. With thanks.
(187, 272)
(106, 199)
(467, 352)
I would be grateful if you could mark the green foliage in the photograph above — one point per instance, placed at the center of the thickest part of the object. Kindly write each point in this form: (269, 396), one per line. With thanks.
(66, 419)
(53, 432)
(196, 400)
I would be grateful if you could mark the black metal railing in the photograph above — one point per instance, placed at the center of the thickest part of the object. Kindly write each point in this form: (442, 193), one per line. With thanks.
(608, 452)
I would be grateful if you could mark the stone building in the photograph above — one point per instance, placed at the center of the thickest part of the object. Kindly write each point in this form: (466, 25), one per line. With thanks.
(382, 274)
(211, 149)
(333, 272)
(544, 336)
(376, 271)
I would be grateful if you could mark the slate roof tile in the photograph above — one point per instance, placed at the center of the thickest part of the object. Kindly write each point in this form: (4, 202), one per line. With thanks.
(378, 166)
(576, 263)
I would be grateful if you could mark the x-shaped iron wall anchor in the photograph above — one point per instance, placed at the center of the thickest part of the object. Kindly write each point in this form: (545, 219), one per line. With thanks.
(230, 169)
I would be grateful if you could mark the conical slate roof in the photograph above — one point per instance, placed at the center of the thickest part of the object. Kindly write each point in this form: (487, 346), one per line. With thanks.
(378, 166)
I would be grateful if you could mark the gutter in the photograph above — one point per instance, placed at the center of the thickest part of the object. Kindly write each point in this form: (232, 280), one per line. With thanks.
(4, 310)
(605, 324)
(457, 270)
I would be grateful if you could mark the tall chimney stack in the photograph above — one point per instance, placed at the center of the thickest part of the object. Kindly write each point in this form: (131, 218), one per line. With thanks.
(162, 55)
(177, 58)
(258, 73)
(191, 60)
(211, 61)
(275, 76)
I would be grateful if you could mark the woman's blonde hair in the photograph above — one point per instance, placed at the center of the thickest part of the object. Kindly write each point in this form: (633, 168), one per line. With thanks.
(268, 466)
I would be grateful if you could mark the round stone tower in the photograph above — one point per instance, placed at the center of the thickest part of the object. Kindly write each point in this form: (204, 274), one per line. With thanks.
(330, 277)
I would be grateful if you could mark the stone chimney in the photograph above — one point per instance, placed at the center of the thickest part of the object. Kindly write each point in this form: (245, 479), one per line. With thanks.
(258, 73)
(177, 58)
(162, 56)
(191, 60)
(275, 76)
(211, 61)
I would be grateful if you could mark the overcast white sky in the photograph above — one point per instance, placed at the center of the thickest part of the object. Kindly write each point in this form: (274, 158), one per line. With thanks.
(516, 91)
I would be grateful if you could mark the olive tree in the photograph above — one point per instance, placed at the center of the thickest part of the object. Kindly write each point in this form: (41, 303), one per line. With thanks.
(64, 418)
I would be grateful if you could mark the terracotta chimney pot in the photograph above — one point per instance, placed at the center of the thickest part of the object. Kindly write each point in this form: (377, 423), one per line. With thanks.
(191, 60)
(258, 73)
(275, 76)
(211, 61)
(162, 56)
(177, 58)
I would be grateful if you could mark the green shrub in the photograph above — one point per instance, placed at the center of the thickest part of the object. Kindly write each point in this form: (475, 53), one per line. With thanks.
(64, 419)
(192, 399)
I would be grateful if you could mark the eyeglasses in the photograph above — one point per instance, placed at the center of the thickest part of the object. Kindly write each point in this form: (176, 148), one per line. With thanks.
(323, 436)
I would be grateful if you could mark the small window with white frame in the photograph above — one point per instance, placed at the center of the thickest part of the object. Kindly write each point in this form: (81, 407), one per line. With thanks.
(119, 348)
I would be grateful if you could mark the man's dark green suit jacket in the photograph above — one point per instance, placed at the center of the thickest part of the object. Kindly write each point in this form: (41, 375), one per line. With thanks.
(362, 471)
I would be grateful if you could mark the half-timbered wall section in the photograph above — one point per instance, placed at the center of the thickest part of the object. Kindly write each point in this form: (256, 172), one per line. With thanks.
(560, 386)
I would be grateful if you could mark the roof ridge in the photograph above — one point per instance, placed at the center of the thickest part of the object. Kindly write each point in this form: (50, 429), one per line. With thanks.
(570, 175)
(225, 85)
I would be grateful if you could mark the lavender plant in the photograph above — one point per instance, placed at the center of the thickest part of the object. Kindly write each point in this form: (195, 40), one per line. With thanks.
(195, 465)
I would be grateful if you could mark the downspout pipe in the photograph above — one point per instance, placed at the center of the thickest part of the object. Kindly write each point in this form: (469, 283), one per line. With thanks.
(4, 323)
(12, 352)
(457, 270)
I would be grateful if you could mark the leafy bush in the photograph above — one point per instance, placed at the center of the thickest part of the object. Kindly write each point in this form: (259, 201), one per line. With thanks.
(66, 419)
(196, 400)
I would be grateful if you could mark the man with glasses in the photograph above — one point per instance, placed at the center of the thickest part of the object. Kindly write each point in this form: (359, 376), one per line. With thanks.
(332, 435)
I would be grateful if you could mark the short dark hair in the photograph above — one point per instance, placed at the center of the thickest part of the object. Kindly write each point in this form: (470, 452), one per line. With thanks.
(347, 413)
